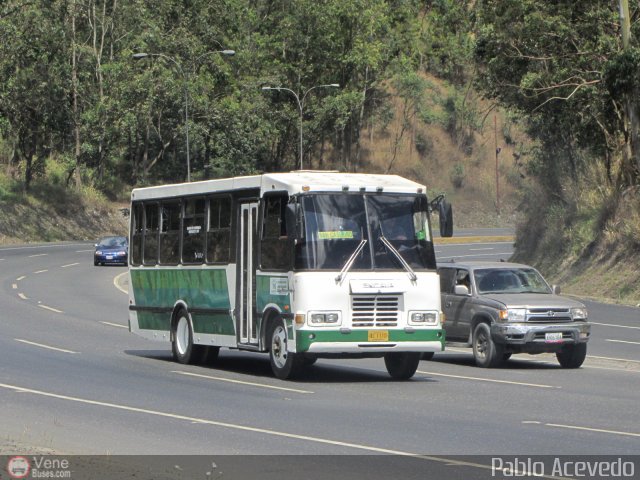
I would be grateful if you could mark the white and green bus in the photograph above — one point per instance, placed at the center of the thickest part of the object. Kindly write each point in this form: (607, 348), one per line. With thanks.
(302, 265)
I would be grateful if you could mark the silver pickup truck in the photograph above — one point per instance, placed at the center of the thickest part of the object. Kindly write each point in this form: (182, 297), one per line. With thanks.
(501, 308)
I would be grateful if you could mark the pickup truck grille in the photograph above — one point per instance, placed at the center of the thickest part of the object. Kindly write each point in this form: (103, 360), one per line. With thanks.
(549, 315)
(375, 310)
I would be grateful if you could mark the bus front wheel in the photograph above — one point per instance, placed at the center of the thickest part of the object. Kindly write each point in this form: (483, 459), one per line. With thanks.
(284, 364)
(184, 351)
(402, 366)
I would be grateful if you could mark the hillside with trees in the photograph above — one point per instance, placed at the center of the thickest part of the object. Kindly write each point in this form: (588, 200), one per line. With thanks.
(538, 97)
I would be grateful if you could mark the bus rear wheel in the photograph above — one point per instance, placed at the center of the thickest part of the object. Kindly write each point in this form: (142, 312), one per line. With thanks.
(184, 351)
(284, 364)
(401, 365)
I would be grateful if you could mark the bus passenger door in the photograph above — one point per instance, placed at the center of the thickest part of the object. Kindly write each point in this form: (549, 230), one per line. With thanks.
(246, 274)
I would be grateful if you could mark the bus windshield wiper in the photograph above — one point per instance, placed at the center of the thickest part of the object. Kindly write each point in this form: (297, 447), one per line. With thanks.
(392, 249)
(349, 262)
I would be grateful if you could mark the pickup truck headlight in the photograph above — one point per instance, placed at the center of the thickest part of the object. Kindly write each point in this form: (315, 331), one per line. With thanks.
(579, 313)
(424, 318)
(324, 318)
(514, 315)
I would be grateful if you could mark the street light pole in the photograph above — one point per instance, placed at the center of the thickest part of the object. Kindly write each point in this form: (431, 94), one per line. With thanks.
(185, 81)
(300, 103)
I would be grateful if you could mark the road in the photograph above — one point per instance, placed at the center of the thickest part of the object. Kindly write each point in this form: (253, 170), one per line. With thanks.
(72, 378)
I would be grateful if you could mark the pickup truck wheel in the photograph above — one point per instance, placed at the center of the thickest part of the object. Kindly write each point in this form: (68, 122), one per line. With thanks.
(402, 366)
(572, 356)
(486, 352)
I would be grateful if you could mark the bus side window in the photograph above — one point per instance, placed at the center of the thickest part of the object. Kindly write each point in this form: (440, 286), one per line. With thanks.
(151, 224)
(137, 230)
(193, 231)
(219, 232)
(170, 233)
(275, 253)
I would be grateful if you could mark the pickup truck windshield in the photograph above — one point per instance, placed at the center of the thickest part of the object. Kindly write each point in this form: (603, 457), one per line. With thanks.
(510, 280)
(335, 224)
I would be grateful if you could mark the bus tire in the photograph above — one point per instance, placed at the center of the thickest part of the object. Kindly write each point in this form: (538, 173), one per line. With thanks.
(486, 352)
(572, 356)
(184, 351)
(284, 364)
(402, 365)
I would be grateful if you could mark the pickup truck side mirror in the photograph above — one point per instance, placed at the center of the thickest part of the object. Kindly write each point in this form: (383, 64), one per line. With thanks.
(461, 290)
(555, 289)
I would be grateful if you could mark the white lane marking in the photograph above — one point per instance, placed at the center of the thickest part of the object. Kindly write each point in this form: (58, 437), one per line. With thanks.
(51, 309)
(116, 284)
(588, 429)
(21, 278)
(622, 341)
(480, 249)
(1, 259)
(252, 384)
(119, 325)
(41, 271)
(38, 255)
(478, 255)
(70, 265)
(42, 246)
(276, 433)
(612, 369)
(63, 350)
(480, 379)
(612, 325)
(84, 251)
(453, 245)
(23, 296)
(616, 359)
(14, 286)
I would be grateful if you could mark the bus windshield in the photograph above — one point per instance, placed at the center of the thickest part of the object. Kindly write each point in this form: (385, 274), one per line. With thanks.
(334, 226)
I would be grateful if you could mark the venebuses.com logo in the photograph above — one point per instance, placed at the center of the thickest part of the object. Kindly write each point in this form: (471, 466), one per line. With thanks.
(38, 467)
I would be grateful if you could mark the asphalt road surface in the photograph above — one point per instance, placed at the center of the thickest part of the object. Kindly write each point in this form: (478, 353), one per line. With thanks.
(73, 379)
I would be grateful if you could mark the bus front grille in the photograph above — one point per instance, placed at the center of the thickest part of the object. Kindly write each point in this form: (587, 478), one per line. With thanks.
(375, 310)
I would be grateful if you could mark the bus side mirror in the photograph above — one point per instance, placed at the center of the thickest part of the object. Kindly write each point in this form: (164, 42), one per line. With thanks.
(291, 218)
(445, 212)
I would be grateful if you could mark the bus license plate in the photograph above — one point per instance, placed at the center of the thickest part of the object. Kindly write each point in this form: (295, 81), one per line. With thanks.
(378, 335)
(554, 337)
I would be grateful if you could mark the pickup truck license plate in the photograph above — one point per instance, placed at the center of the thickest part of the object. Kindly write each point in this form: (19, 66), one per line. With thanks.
(553, 337)
(378, 335)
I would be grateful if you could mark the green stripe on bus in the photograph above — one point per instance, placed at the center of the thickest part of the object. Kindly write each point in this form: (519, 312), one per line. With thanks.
(303, 342)
(199, 289)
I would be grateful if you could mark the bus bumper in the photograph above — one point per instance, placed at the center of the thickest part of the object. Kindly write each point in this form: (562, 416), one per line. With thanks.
(358, 342)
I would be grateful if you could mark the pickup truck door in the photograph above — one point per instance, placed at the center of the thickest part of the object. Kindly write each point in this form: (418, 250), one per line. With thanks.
(457, 309)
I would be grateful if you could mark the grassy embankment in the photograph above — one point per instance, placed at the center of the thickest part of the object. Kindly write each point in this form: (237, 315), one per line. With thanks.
(52, 212)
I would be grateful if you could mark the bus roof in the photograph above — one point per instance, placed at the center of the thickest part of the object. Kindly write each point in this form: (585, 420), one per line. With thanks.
(292, 182)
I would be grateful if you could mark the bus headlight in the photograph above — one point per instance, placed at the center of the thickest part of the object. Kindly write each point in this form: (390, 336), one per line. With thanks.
(324, 318)
(423, 318)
